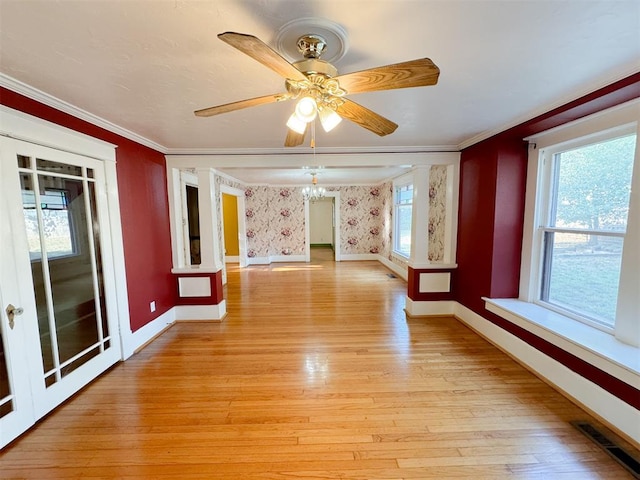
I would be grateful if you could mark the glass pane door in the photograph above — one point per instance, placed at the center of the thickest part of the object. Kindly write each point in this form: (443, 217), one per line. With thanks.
(59, 241)
(58, 203)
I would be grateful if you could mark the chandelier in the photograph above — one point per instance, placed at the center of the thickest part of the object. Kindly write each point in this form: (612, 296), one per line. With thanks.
(313, 192)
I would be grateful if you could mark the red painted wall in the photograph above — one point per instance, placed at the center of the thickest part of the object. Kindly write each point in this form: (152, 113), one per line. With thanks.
(511, 172)
(143, 207)
(478, 176)
(491, 217)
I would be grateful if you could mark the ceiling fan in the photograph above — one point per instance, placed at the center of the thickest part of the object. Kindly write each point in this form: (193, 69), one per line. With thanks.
(319, 88)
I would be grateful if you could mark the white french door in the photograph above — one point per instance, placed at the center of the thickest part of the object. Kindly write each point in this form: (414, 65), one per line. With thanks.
(59, 327)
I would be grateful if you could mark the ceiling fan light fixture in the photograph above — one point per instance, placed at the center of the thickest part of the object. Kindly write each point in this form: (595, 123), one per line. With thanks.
(296, 124)
(306, 109)
(329, 119)
(317, 86)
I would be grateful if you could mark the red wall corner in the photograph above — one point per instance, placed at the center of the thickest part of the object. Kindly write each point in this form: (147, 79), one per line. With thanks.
(144, 210)
(491, 218)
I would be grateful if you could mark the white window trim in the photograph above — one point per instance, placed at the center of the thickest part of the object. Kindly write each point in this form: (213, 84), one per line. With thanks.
(609, 352)
(187, 179)
(596, 347)
(541, 225)
(399, 182)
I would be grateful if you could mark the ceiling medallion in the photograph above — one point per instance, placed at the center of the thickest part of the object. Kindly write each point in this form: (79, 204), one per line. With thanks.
(332, 34)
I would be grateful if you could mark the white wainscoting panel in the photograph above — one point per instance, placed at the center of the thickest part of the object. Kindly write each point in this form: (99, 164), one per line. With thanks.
(194, 286)
(435, 282)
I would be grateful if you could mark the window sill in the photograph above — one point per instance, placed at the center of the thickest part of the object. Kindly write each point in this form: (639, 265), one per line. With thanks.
(594, 346)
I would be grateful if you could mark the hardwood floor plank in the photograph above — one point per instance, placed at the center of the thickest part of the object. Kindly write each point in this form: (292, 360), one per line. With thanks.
(314, 374)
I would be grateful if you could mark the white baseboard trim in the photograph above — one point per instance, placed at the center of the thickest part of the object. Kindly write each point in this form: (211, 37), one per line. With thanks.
(201, 312)
(359, 256)
(399, 270)
(258, 261)
(287, 258)
(135, 340)
(608, 407)
(415, 308)
(275, 259)
(231, 259)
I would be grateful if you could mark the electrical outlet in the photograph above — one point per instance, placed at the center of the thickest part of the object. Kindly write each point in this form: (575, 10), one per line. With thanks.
(152, 306)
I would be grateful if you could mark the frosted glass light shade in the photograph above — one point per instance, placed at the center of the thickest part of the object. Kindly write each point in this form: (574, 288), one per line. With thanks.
(329, 119)
(306, 109)
(295, 124)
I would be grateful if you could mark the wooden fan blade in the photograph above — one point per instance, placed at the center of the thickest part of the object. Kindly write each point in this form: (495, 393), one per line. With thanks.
(263, 53)
(294, 138)
(366, 118)
(250, 102)
(415, 73)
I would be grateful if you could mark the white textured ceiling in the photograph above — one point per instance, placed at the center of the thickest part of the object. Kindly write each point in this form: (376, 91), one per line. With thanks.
(146, 65)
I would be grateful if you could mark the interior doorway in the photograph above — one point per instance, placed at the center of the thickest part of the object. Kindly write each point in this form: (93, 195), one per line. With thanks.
(231, 242)
(58, 279)
(323, 227)
(321, 254)
(233, 225)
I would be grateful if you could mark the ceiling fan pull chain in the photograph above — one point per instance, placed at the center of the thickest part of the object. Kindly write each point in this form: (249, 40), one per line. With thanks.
(312, 143)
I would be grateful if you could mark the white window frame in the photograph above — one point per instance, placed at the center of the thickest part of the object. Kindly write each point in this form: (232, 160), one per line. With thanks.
(617, 354)
(608, 124)
(547, 162)
(401, 182)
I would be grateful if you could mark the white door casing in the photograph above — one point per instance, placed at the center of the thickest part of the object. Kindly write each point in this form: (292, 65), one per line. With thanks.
(21, 343)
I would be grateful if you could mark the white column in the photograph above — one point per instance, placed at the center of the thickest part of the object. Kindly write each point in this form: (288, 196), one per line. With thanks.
(209, 224)
(419, 257)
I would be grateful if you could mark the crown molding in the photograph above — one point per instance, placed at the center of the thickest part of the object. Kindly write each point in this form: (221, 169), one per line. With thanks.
(28, 91)
(542, 110)
(307, 150)
(39, 96)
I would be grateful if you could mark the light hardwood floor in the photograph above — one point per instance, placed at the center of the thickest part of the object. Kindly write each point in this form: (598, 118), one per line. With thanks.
(314, 374)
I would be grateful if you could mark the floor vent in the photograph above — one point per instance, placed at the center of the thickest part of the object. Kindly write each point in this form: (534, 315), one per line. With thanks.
(609, 446)
(391, 275)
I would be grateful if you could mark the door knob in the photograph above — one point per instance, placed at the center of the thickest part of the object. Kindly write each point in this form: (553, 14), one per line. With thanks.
(12, 312)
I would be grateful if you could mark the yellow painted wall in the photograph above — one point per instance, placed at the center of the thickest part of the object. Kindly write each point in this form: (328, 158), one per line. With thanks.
(230, 219)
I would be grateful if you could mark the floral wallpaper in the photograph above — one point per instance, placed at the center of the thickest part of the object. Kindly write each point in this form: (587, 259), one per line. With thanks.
(362, 217)
(275, 221)
(275, 218)
(437, 212)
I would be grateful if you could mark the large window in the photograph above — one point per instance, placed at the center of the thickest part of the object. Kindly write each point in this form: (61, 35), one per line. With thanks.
(403, 201)
(583, 211)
